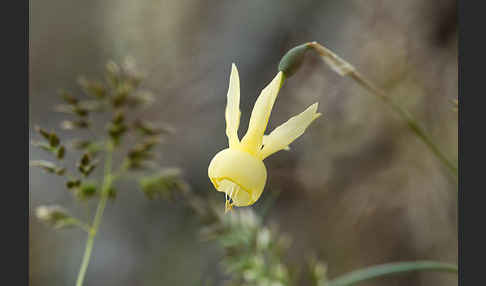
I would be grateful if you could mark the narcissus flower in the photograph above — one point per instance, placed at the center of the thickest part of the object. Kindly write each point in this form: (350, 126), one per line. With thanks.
(238, 171)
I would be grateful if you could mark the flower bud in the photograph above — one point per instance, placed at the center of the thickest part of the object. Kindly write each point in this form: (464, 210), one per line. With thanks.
(292, 60)
(60, 152)
(73, 183)
(48, 167)
(162, 184)
(86, 190)
(43, 132)
(52, 215)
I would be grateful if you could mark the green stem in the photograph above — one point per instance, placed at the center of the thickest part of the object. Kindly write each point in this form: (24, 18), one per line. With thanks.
(390, 269)
(411, 122)
(107, 181)
(346, 69)
(80, 224)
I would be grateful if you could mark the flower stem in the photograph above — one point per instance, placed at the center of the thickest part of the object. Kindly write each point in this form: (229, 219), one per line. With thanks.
(107, 181)
(389, 269)
(81, 224)
(411, 122)
(344, 68)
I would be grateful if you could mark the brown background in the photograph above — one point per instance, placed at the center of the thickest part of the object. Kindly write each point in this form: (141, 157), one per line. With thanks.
(357, 189)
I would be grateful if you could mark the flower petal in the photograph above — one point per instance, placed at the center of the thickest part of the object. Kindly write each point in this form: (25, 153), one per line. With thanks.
(232, 113)
(286, 133)
(260, 115)
(265, 142)
(241, 168)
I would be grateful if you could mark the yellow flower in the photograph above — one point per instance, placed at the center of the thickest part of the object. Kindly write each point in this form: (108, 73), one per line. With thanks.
(238, 171)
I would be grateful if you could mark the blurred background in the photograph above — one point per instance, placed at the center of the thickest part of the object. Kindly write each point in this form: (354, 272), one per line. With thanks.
(357, 189)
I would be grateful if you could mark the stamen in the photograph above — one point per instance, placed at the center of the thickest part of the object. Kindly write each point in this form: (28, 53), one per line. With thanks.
(227, 207)
(229, 203)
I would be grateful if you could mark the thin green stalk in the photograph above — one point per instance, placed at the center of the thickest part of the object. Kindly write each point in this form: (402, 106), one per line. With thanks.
(107, 181)
(344, 68)
(80, 224)
(390, 269)
(411, 122)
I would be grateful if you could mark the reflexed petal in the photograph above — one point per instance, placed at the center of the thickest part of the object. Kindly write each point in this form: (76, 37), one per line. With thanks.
(286, 133)
(265, 142)
(232, 113)
(260, 115)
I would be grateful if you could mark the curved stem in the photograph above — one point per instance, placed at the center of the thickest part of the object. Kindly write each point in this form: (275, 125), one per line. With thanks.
(411, 122)
(390, 269)
(81, 224)
(344, 68)
(107, 181)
